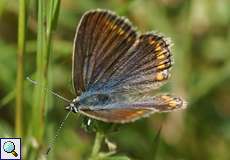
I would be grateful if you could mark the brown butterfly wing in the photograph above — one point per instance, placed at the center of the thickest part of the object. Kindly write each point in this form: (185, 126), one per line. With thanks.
(145, 67)
(122, 115)
(129, 112)
(100, 40)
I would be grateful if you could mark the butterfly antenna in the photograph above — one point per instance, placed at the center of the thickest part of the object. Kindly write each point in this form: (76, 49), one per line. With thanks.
(57, 133)
(62, 122)
(49, 90)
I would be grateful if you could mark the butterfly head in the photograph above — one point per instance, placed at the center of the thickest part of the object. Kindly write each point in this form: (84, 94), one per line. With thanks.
(73, 106)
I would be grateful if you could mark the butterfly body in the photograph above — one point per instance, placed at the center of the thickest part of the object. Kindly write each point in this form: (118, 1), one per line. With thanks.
(115, 70)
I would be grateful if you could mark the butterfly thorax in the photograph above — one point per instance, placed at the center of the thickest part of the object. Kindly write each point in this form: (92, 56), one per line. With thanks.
(87, 102)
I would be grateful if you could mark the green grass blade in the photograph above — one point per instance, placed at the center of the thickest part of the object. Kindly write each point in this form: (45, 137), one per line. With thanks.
(20, 67)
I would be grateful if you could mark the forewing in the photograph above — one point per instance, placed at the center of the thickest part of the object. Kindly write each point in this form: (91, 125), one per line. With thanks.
(101, 39)
(129, 112)
(145, 67)
(150, 63)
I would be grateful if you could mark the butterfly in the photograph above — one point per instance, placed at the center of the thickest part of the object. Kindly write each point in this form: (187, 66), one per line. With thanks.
(116, 70)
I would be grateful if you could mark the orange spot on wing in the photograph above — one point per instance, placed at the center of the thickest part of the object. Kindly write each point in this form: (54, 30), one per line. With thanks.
(151, 41)
(160, 77)
(161, 57)
(161, 66)
(166, 98)
(173, 104)
(121, 32)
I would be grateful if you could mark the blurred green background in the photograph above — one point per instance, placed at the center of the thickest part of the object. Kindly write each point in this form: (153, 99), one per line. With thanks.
(200, 31)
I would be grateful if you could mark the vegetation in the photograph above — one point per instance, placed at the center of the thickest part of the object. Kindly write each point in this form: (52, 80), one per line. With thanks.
(36, 39)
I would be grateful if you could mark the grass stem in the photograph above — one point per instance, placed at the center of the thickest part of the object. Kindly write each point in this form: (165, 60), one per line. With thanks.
(44, 48)
(22, 20)
(97, 146)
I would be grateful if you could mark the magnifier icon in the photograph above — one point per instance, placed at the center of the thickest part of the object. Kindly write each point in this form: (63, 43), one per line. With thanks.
(9, 147)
